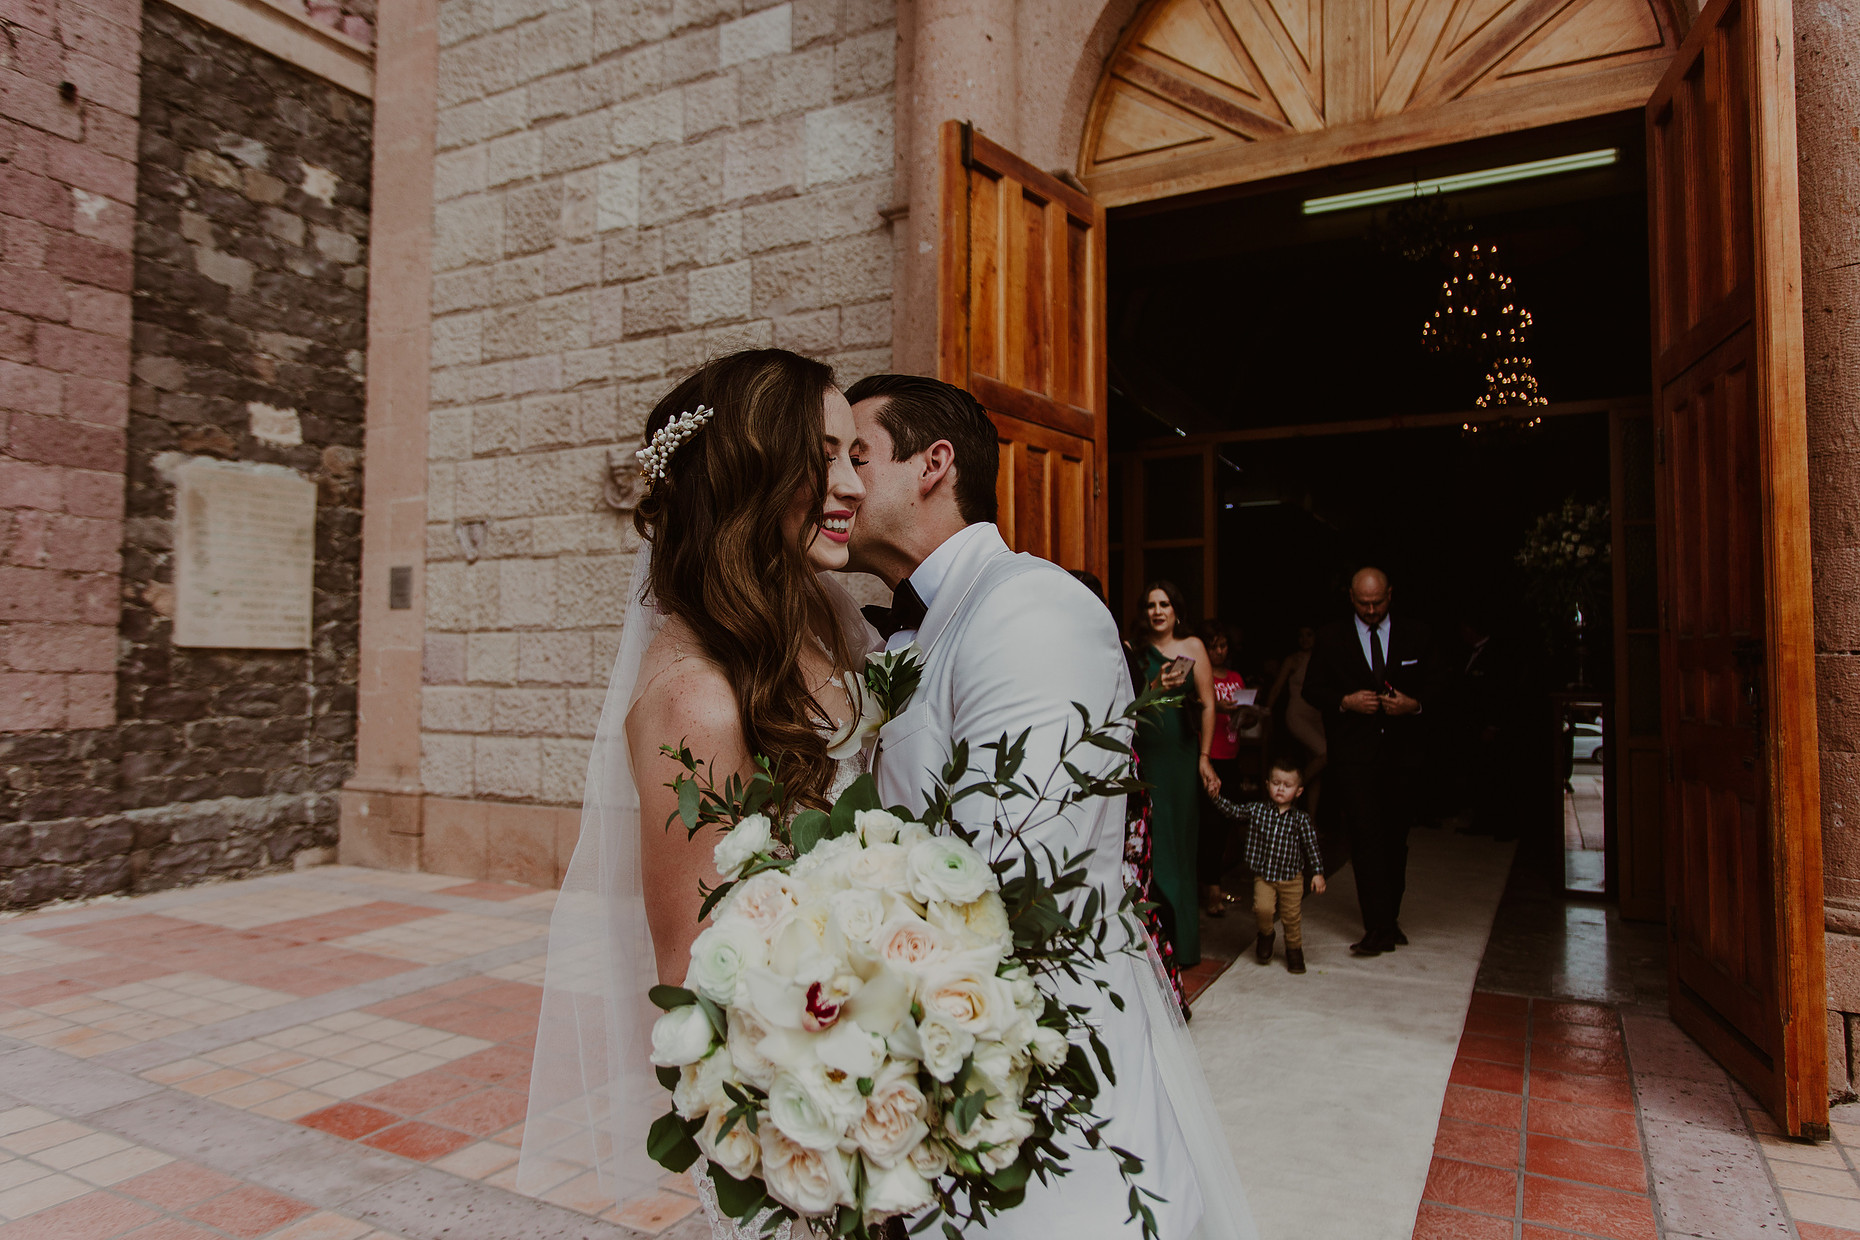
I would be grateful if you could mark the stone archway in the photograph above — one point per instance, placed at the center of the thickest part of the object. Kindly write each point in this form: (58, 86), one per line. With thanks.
(1203, 93)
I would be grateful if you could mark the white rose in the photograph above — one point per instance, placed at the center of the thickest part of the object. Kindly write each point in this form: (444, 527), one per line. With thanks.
(762, 900)
(813, 1110)
(681, 1036)
(1018, 1035)
(824, 868)
(877, 826)
(700, 1085)
(982, 921)
(1004, 1133)
(945, 1045)
(929, 1158)
(1049, 1047)
(1026, 993)
(945, 868)
(1003, 1078)
(807, 1181)
(740, 846)
(880, 867)
(737, 1152)
(967, 998)
(858, 914)
(910, 943)
(893, 1122)
(895, 1190)
(911, 834)
(744, 1043)
(848, 1049)
(721, 955)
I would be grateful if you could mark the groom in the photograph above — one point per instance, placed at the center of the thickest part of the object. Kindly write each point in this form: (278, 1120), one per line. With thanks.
(1009, 643)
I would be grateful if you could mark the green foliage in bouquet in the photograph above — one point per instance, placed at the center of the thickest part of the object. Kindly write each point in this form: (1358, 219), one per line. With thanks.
(871, 1026)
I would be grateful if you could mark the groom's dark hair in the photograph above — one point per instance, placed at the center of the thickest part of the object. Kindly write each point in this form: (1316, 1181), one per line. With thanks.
(918, 411)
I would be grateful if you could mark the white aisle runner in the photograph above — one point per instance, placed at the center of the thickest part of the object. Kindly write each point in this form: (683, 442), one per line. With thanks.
(1330, 1084)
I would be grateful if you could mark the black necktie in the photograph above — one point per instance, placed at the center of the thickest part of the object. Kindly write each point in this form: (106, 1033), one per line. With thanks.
(906, 611)
(1378, 663)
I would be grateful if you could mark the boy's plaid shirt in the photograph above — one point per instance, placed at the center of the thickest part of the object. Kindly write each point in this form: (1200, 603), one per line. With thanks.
(1280, 846)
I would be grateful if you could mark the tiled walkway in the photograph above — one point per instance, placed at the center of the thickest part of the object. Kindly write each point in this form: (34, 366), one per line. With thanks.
(1538, 1135)
(342, 1054)
(330, 1055)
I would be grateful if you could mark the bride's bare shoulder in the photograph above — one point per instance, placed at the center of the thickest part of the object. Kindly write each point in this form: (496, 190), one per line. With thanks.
(681, 692)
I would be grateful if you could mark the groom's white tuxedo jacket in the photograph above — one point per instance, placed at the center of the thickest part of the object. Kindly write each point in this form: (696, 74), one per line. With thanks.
(1010, 642)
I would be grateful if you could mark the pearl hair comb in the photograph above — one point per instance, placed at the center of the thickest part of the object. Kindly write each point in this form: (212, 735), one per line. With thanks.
(656, 455)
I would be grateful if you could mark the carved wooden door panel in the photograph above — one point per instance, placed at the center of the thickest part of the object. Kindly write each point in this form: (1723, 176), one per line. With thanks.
(1021, 324)
(1743, 834)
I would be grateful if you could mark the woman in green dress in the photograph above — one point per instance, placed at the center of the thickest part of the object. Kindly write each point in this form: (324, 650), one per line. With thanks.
(1173, 751)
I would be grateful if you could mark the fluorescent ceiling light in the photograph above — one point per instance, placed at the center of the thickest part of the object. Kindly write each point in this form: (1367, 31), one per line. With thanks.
(1465, 180)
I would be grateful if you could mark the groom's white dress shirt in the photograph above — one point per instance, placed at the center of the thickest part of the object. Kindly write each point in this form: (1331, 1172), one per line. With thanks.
(930, 575)
(1009, 642)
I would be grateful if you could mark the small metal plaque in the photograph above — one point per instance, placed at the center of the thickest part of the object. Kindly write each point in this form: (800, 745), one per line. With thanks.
(400, 588)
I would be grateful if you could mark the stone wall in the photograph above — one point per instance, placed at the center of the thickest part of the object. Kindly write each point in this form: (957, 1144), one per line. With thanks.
(1828, 124)
(624, 188)
(250, 300)
(68, 102)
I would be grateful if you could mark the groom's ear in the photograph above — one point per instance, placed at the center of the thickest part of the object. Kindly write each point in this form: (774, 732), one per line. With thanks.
(939, 465)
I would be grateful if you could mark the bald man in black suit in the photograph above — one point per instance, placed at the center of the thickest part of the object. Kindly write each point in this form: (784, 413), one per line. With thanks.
(1371, 678)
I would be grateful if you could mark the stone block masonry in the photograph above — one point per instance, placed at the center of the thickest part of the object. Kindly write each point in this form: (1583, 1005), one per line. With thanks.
(624, 188)
(245, 343)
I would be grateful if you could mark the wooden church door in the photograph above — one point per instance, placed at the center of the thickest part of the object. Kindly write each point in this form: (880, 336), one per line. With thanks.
(1743, 831)
(1021, 324)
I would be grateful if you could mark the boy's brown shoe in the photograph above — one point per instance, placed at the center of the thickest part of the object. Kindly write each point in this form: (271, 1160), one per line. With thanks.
(1262, 950)
(1294, 960)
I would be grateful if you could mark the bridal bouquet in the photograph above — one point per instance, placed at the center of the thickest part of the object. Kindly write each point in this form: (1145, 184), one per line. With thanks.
(870, 1026)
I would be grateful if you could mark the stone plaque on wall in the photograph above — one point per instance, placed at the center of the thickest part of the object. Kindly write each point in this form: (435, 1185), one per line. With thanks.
(245, 553)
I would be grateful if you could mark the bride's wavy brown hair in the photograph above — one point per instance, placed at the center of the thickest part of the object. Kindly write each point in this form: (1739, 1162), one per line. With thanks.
(720, 561)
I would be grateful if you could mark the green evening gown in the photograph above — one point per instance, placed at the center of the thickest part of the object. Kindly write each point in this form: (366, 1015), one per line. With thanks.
(1169, 755)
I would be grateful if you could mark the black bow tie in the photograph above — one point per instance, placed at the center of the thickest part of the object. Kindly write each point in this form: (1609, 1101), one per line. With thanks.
(906, 612)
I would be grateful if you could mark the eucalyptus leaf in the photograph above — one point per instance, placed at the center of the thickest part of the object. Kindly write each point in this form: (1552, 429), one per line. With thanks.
(665, 998)
(807, 829)
(669, 1141)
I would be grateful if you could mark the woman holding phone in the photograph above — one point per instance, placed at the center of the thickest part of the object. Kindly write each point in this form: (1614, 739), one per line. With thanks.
(1173, 750)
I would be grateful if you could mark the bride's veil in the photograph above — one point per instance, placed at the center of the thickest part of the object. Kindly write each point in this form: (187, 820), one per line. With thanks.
(592, 1090)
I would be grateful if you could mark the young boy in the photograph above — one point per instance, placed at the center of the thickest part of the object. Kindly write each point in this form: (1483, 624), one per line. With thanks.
(1281, 849)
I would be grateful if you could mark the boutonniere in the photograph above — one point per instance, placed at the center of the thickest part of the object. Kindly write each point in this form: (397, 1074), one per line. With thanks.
(891, 678)
(878, 697)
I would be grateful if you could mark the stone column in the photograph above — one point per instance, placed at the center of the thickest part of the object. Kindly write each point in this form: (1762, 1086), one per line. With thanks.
(960, 63)
(381, 805)
(1828, 124)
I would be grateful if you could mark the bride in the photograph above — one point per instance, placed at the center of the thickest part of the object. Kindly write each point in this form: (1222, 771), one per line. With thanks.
(734, 644)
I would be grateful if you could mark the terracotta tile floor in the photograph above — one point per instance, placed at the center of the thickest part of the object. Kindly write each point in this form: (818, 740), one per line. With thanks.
(1543, 1134)
(344, 1054)
(285, 1058)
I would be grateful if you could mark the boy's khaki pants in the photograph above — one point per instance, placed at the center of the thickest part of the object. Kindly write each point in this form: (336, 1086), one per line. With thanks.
(1285, 900)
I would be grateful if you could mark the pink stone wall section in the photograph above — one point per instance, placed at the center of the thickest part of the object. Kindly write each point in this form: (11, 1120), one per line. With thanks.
(69, 93)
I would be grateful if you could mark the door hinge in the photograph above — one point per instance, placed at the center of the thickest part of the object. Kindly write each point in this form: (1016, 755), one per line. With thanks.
(1096, 486)
(1659, 445)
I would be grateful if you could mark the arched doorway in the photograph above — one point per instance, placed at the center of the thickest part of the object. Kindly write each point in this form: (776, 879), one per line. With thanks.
(1203, 96)
(1208, 93)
